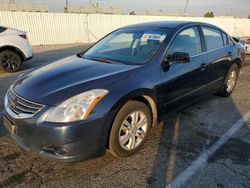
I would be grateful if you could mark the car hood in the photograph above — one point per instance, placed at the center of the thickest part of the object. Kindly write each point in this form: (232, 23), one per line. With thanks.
(53, 83)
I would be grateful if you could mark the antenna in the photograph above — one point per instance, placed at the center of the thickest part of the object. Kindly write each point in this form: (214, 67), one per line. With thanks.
(67, 3)
(186, 6)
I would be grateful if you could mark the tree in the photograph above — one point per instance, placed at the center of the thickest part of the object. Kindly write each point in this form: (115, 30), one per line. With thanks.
(132, 13)
(209, 14)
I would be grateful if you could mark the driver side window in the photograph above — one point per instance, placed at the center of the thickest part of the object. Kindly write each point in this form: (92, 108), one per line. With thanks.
(187, 41)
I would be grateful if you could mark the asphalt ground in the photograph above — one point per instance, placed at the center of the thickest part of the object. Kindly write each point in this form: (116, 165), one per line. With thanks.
(170, 150)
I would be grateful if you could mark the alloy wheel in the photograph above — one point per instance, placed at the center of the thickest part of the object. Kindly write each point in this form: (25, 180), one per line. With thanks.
(133, 130)
(10, 61)
(231, 81)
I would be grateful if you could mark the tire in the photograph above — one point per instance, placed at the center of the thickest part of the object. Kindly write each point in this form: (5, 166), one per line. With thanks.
(228, 85)
(122, 133)
(10, 61)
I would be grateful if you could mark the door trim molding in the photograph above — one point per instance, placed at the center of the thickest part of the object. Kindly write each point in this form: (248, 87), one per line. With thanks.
(195, 90)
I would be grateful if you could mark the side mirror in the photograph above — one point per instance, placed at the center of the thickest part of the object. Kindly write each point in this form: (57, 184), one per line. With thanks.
(236, 39)
(177, 57)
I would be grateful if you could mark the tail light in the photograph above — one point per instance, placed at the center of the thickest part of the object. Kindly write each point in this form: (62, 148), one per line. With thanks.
(23, 36)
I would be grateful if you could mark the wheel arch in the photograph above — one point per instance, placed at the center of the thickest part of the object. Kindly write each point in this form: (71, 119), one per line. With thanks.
(144, 96)
(238, 62)
(14, 49)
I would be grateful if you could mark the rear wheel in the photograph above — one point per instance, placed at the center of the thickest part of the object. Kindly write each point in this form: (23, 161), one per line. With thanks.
(130, 129)
(230, 81)
(10, 61)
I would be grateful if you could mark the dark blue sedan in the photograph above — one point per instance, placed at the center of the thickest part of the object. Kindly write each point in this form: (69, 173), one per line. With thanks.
(109, 96)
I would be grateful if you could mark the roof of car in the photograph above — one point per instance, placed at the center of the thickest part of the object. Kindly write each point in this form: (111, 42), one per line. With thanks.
(166, 24)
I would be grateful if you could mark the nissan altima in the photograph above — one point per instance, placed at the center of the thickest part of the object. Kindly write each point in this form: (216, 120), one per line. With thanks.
(110, 96)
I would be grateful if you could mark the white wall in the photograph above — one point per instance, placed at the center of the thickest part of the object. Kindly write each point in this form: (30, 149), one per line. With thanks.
(61, 28)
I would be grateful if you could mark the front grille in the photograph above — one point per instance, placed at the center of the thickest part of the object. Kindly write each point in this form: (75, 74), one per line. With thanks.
(20, 105)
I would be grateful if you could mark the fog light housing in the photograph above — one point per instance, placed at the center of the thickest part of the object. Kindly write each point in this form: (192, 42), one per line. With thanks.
(48, 148)
(61, 150)
(56, 150)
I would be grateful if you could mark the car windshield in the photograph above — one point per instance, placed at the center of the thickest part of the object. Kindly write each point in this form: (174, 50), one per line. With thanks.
(129, 46)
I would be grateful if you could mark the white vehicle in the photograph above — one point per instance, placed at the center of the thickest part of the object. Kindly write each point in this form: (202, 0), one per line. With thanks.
(247, 45)
(14, 49)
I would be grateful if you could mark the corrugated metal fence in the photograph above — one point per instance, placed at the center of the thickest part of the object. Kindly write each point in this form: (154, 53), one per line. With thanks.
(61, 28)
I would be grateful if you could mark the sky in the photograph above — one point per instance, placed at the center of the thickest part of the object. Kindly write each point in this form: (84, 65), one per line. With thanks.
(195, 7)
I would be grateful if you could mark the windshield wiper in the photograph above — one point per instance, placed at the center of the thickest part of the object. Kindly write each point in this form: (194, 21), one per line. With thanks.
(105, 60)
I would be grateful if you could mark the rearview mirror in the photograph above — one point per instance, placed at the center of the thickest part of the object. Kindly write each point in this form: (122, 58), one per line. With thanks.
(177, 57)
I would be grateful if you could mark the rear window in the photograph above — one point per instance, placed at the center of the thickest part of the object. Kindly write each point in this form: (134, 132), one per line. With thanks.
(213, 38)
(2, 29)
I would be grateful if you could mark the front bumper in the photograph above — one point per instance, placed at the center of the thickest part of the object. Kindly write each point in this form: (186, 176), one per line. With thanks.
(71, 142)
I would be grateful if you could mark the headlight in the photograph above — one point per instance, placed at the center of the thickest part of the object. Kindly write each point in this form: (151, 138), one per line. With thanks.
(76, 108)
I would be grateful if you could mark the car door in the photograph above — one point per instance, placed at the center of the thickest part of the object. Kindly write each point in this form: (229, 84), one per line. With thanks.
(181, 82)
(218, 54)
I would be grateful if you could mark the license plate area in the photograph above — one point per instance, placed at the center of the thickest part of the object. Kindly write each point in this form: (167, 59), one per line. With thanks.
(9, 126)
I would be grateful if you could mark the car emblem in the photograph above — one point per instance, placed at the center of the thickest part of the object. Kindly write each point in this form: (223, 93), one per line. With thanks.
(13, 103)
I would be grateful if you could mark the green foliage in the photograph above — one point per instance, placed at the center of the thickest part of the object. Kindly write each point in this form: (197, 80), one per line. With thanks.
(209, 15)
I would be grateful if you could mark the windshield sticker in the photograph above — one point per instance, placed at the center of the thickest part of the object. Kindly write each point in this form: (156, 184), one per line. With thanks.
(152, 36)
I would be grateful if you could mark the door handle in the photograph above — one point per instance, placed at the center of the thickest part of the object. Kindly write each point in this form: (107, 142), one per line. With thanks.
(229, 53)
(204, 66)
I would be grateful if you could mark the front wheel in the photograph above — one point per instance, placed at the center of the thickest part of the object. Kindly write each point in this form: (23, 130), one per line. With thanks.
(130, 129)
(230, 81)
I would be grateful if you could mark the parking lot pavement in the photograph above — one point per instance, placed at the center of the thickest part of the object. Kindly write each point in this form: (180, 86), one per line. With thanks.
(171, 148)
